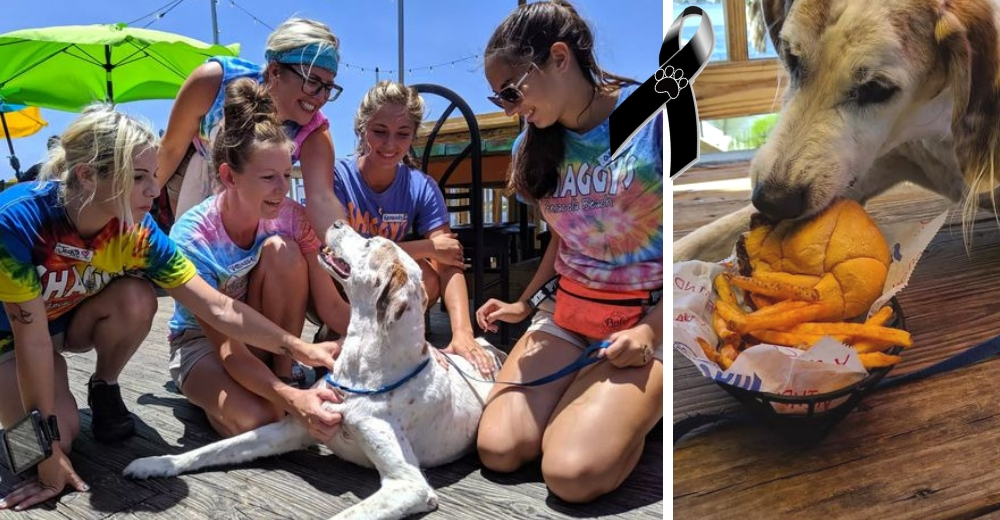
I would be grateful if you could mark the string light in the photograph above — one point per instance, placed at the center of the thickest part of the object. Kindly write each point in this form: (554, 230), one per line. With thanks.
(364, 70)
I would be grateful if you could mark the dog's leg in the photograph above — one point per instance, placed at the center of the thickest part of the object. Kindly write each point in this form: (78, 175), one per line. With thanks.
(274, 439)
(715, 241)
(404, 489)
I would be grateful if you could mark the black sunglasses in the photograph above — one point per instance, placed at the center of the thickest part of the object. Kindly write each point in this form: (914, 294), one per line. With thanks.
(313, 86)
(511, 95)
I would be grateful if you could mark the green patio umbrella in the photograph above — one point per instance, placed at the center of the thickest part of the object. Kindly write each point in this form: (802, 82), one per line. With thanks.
(69, 67)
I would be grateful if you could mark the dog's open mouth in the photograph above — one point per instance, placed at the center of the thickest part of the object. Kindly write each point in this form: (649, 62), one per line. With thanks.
(335, 264)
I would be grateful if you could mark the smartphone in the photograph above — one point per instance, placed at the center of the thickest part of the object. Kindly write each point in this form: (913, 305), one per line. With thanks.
(25, 443)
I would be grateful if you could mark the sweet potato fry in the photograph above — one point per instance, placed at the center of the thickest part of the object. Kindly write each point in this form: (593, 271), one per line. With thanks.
(773, 288)
(870, 345)
(878, 359)
(780, 307)
(729, 312)
(759, 302)
(727, 355)
(724, 290)
(790, 339)
(780, 321)
(722, 329)
(881, 317)
(859, 331)
(709, 351)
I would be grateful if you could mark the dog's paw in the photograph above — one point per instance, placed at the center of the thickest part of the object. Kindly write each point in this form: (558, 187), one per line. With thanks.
(670, 81)
(150, 467)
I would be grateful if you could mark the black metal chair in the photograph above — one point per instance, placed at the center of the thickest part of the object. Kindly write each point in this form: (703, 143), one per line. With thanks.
(487, 247)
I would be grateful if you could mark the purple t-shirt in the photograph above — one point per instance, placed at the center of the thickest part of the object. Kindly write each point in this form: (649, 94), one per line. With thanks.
(412, 202)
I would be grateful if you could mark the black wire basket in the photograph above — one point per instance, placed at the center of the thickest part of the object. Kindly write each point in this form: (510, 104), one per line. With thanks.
(815, 415)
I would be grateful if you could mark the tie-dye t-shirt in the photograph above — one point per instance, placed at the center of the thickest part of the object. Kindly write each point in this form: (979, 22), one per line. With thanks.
(200, 235)
(412, 202)
(41, 254)
(610, 214)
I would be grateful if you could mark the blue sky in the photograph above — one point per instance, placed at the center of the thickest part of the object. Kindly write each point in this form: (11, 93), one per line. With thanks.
(436, 33)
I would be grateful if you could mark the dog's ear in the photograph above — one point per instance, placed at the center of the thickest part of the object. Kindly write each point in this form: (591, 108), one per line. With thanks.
(774, 12)
(967, 37)
(391, 305)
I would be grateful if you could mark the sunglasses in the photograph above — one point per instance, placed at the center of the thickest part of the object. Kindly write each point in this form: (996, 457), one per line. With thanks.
(315, 87)
(511, 95)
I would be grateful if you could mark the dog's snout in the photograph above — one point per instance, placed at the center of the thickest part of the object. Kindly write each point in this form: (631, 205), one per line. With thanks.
(779, 202)
(338, 224)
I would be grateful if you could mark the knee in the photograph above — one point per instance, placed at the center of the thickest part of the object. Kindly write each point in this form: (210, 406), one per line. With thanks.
(136, 301)
(575, 476)
(503, 452)
(281, 255)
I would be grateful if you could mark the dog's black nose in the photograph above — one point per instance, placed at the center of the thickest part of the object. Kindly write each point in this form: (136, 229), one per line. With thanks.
(779, 202)
(338, 224)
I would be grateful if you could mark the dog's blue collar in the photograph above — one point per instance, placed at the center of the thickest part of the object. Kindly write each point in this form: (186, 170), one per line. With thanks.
(382, 390)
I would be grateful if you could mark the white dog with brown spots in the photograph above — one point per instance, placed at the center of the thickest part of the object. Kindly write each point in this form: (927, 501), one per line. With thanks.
(428, 420)
(879, 93)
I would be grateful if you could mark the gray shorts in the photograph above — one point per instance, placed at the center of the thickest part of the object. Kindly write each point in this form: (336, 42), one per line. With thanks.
(186, 350)
(545, 322)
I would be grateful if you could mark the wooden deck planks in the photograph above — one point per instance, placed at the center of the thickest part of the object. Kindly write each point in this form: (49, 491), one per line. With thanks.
(927, 449)
(306, 484)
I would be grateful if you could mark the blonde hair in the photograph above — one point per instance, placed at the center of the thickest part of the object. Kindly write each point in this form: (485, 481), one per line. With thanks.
(388, 93)
(294, 33)
(106, 142)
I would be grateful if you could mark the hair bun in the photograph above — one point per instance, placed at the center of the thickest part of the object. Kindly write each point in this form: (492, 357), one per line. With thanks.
(247, 104)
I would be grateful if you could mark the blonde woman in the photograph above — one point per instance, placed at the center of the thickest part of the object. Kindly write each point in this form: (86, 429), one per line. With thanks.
(77, 253)
(386, 195)
(301, 62)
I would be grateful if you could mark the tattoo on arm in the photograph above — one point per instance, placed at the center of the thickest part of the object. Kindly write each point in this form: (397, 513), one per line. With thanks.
(17, 314)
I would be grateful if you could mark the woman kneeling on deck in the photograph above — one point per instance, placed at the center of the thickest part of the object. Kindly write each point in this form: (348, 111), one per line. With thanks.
(256, 245)
(607, 244)
(75, 255)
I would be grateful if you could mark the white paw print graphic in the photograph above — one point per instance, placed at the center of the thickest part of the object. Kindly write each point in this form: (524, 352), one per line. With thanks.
(670, 81)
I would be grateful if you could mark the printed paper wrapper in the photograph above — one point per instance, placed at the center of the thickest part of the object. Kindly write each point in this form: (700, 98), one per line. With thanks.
(827, 366)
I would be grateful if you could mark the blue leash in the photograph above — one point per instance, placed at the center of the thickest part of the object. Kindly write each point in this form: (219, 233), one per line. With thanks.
(585, 358)
(970, 356)
(382, 390)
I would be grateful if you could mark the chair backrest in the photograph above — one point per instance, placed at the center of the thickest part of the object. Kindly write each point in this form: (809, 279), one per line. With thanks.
(466, 197)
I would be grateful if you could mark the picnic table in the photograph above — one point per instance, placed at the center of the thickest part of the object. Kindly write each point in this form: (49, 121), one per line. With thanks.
(925, 449)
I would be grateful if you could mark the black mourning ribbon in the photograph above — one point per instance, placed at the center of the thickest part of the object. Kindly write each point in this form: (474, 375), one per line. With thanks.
(670, 84)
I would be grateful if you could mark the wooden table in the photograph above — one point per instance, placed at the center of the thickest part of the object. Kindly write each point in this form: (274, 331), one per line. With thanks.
(927, 449)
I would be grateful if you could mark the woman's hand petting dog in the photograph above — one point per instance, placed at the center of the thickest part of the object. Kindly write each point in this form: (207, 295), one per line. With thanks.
(464, 344)
(321, 354)
(307, 407)
(54, 474)
(448, 250)
(630, 347)
(495, 310)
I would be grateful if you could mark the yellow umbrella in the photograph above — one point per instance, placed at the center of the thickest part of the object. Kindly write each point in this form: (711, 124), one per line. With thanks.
(19, 121)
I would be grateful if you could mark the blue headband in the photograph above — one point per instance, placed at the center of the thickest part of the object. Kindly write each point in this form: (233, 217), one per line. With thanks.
(312, 55)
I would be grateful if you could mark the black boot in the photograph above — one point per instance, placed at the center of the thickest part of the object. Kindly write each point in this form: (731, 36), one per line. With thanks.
(110, 420)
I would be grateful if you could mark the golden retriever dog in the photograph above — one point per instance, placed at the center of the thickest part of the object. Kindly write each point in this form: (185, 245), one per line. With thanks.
(880, 92)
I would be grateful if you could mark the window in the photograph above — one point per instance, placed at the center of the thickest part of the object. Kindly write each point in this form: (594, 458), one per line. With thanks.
(738, 91)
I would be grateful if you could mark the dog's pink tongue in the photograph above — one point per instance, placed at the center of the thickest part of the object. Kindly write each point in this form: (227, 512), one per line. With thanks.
(342, 267)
